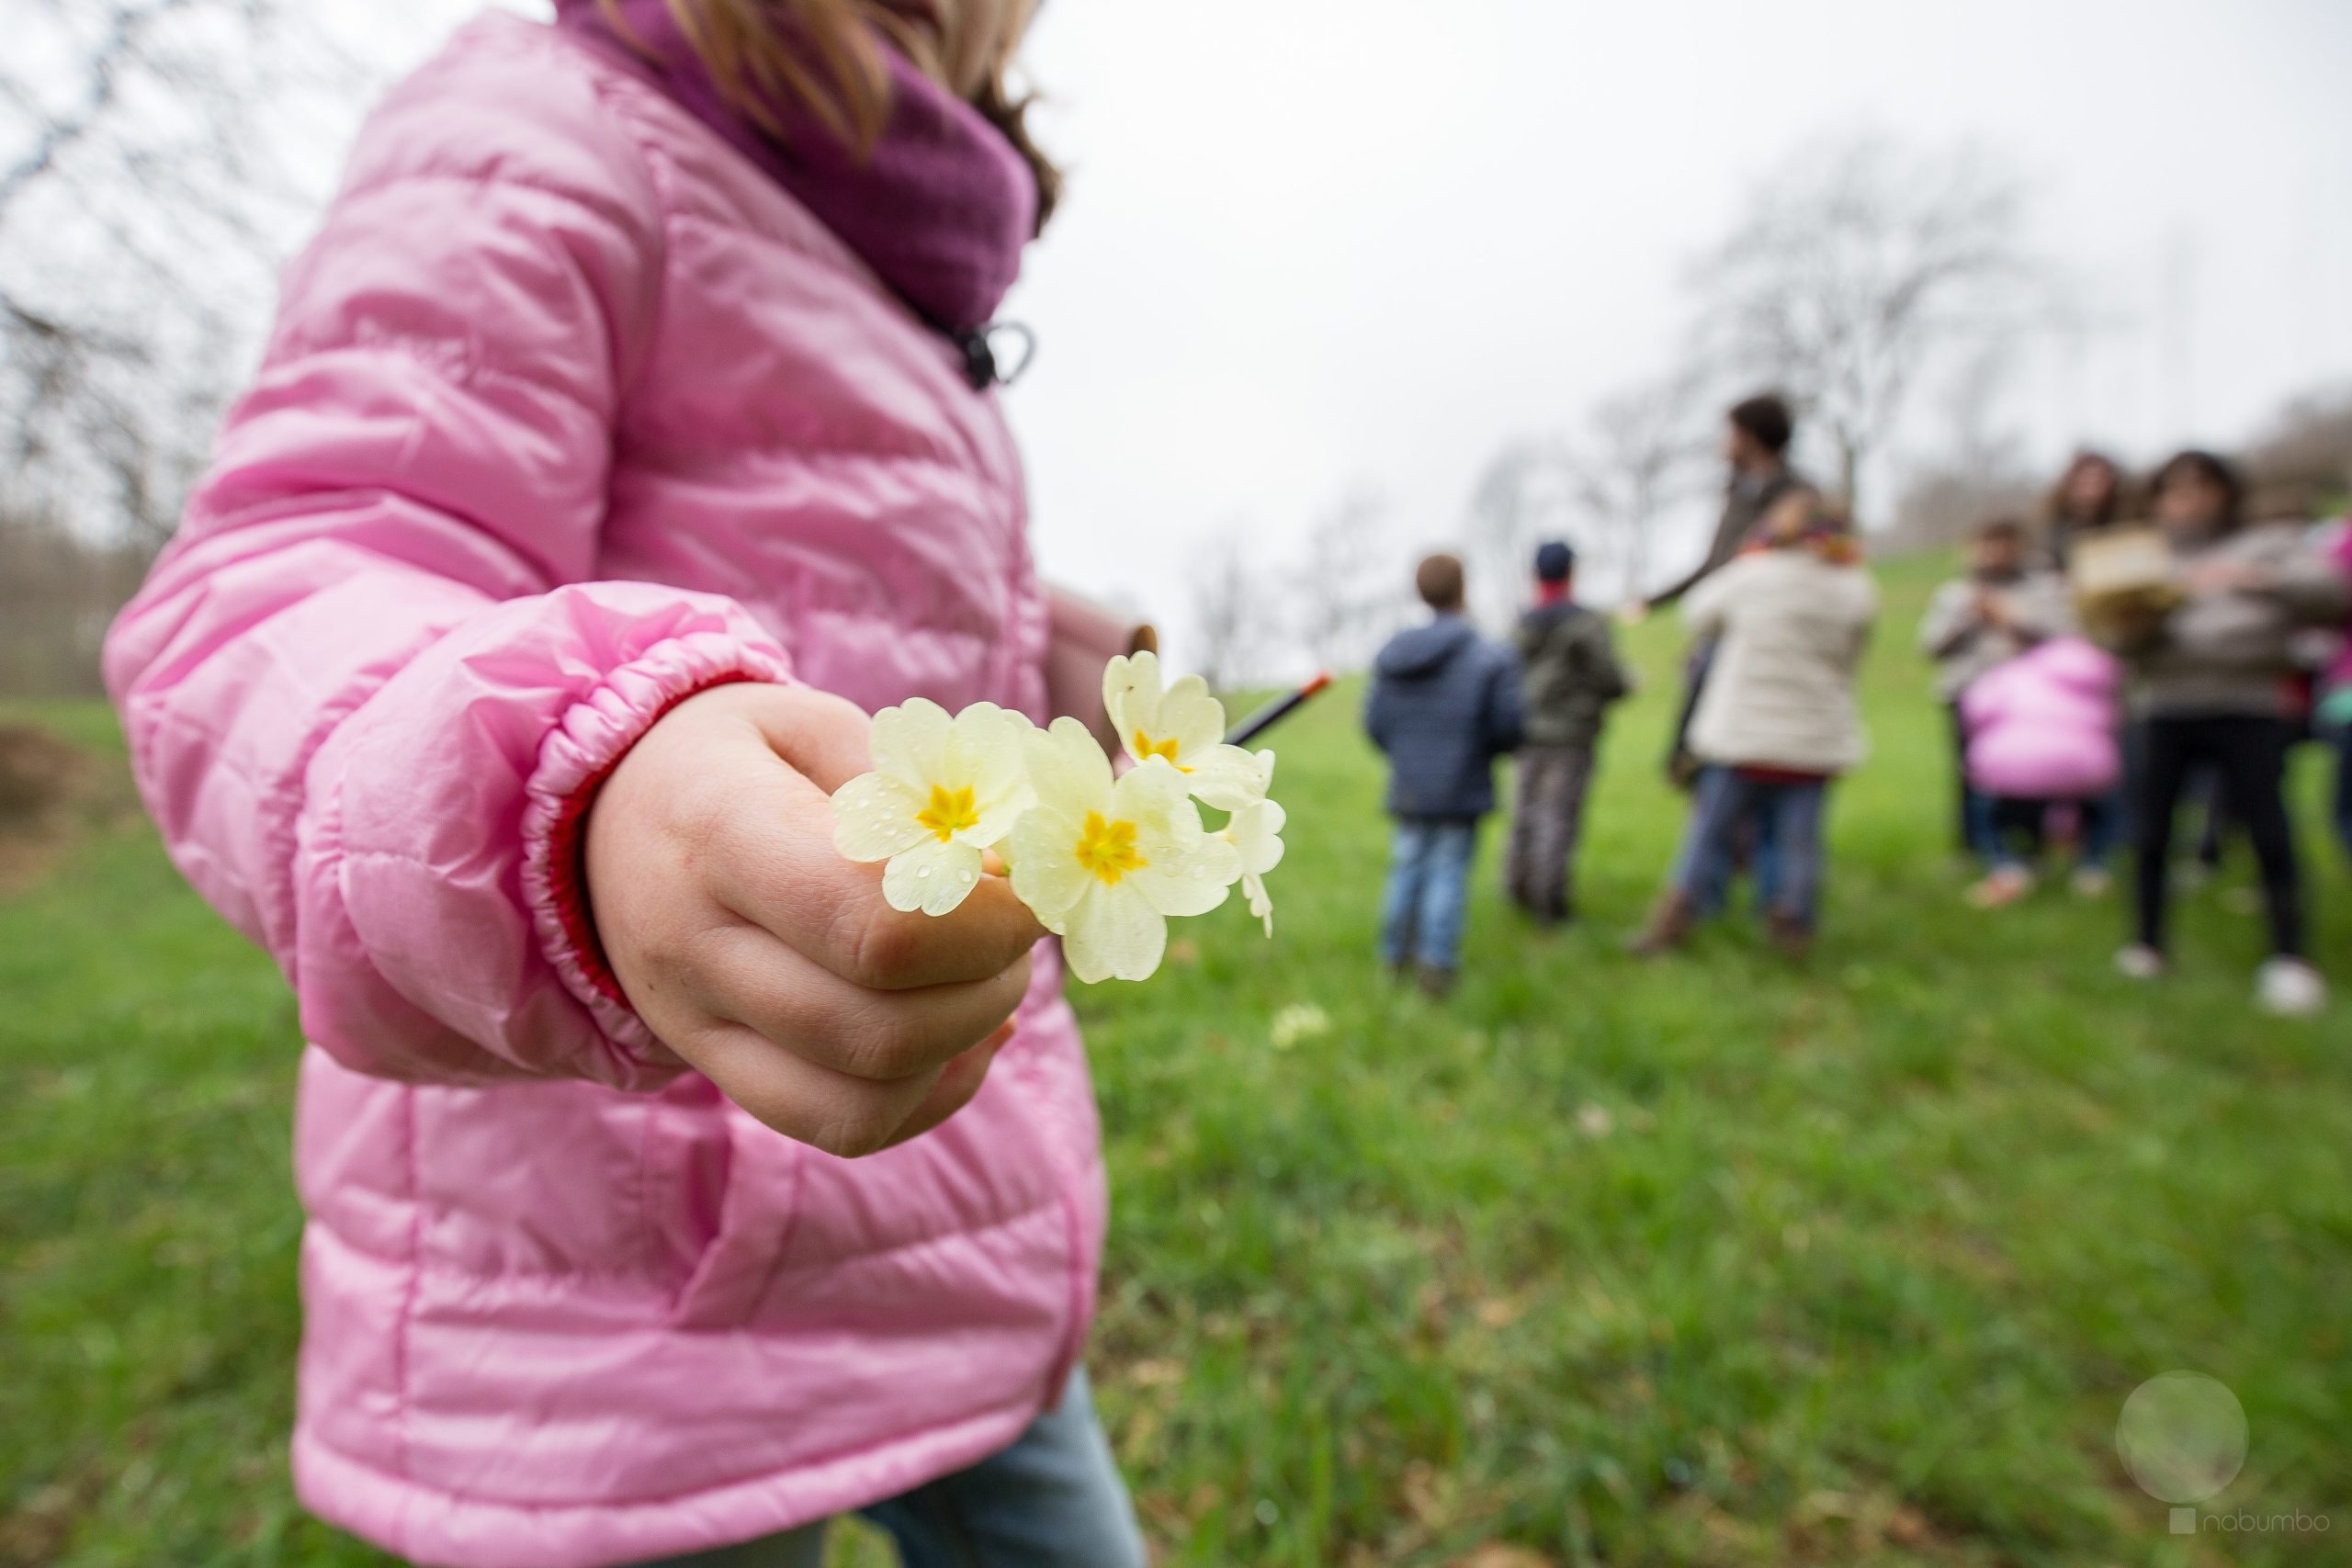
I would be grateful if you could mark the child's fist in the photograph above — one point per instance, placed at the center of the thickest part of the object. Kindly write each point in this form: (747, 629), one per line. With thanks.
(764, 959)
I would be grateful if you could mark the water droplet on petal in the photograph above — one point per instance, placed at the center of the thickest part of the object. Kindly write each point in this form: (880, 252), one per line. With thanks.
(922, 871)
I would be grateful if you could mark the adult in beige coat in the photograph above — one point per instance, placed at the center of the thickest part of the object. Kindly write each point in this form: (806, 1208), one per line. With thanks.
(1779, 718)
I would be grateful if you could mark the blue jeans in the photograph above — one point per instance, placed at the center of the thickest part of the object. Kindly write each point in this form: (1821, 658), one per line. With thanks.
(1707, 882)
(1054, 1499)
(1996, 822)
(1429, 891)
(1785, 820)
(2102, 828)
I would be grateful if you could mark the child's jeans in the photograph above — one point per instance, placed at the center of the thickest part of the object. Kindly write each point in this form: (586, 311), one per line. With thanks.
(1054, 1499)
(1786, 815)
(1750, 848)
(1998, 821)
(1968, 801)
(1429, 890)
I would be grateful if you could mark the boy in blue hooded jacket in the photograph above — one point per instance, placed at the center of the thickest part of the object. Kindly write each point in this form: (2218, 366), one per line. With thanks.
(1445, 704)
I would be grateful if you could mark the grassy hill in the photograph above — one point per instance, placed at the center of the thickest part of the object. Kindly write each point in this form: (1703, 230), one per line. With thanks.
(1707, 1261)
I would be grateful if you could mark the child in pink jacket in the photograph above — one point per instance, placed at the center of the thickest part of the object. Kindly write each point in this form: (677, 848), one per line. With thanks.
(2042, 731)
(624, 439)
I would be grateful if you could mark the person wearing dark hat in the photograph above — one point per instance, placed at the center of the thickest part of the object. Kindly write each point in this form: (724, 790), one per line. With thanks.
(1569, 676)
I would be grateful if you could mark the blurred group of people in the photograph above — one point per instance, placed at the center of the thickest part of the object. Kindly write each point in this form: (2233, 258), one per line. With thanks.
(1780, 610)
(2090, 704)
(2133, 652)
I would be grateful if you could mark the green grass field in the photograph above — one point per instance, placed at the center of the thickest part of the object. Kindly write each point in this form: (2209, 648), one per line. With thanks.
(1708, 1261)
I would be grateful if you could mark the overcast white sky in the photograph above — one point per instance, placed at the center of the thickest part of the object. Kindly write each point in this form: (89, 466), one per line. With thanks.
(1310, 244)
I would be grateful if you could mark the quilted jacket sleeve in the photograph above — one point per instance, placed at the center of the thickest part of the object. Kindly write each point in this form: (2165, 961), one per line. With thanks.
(371, 686)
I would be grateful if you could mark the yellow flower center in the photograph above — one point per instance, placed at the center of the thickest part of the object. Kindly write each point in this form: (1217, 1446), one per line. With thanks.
(1108, 849)
(950, 811)
(1147, 748)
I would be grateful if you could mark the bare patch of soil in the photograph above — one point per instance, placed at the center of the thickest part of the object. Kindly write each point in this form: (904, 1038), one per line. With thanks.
(46, 790)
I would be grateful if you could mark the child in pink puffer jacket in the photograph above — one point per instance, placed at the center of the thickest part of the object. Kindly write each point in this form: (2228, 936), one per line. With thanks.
(2042, 733)
(623, 441)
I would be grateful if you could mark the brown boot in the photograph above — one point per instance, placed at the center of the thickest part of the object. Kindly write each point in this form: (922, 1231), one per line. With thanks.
(1792, 936)
(1668, 928)
(1436, 982)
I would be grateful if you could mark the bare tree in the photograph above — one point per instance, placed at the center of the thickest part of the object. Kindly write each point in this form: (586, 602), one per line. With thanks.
(1236, 619)
(1503, 506)
(1855, 267)
(2309, 445)
(1526, 492)
(1638, 456)
(1979, 469)
(144, 207)
(1347, 593)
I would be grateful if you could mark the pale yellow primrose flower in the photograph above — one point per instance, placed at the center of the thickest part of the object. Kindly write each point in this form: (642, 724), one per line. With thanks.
(942, 790)
(1182, 725)
(1300, 1020)
(1255, 832)
(1103, 863)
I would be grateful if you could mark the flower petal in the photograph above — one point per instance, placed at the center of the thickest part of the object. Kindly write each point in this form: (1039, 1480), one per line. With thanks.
(1227, 778)
(1260, 903)
(932, 876)
(1046, 872)
(1256, 831)
(909, 743)
(1114, 933)
(1131, 695)
(1192, 718)
(874, 818)
(1068, 769)
(990, 746)
(1185, 870)
(1191, 881)
(1152, 794)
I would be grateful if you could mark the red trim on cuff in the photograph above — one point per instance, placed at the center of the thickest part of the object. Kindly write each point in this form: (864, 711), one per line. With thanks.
(567, 854)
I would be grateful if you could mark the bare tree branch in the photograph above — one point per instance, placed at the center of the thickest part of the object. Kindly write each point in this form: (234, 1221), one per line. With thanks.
(1347, 592)
(1235, 616)
(144, 207)
(1854, 269)
(1639, 455)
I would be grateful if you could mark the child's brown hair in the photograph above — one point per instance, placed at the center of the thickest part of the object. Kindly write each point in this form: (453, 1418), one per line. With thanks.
(1808, 520)
(2057, 505)
(2002, 531)
(1439, 579)
(825, 55)
(2217, 471)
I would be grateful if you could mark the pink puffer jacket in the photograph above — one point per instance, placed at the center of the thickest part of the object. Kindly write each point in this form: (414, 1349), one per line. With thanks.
(2339, 550)
(2042, 726)
(568, 412)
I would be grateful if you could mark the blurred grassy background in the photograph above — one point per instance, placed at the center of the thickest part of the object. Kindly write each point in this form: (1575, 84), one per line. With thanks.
(1710, 1261)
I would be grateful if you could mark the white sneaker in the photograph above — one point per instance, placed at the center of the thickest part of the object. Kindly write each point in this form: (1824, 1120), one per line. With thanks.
(2093, 882)
(2139, 962)
(2289, 988)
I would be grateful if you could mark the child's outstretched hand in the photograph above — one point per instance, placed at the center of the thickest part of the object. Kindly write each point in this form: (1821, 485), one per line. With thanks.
(768, 961)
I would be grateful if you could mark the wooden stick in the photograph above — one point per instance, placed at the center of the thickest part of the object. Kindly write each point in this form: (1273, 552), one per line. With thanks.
(1274, 713)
